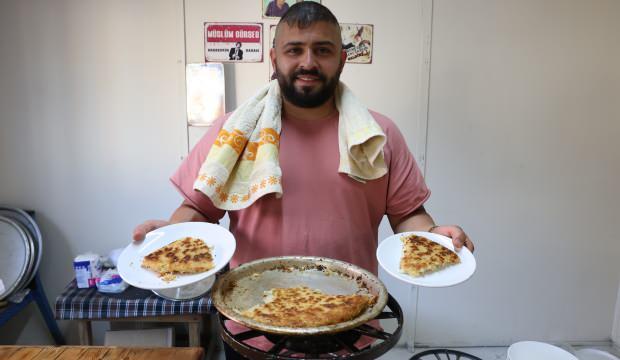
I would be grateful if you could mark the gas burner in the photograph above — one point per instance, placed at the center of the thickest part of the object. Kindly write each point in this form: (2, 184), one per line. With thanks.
(328, 346)
(449, 354)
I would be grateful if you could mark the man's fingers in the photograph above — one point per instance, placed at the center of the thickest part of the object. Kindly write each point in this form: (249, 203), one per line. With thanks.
(459, 237)
(141, 230)
(464, 241)
(467, 243)
(138, 235)
(459, 240)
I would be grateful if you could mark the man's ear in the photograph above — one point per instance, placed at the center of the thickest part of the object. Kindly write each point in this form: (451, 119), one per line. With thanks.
(272, 56)
(343, 58)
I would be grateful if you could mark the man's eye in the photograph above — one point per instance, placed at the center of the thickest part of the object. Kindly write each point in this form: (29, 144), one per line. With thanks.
(324, 51)
(293, 51)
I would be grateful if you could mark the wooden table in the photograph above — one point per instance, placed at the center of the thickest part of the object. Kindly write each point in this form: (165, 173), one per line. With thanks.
(97, 352)
(193, 322)
(88, 305)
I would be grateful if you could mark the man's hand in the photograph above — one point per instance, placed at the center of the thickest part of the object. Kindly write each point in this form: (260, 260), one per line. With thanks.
(183, 213)
(141, 230)
(459, 238)
(420, 220)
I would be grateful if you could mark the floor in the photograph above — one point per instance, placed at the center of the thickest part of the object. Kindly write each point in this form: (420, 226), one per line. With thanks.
(485, 353)
(401, 352)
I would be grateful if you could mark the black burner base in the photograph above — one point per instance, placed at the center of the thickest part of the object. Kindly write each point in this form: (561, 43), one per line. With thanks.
(316, 344)
(329, 346)
(448, 355)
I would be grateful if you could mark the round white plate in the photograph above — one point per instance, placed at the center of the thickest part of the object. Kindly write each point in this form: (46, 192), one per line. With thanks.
(390, 251)
(219, 239)
(188, 292)
(594, 354)
(533, 350)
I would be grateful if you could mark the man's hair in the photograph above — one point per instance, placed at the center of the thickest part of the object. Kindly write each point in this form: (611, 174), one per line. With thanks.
(304, 14)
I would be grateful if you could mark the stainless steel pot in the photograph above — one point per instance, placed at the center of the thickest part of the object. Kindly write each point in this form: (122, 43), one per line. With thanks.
(243, 287)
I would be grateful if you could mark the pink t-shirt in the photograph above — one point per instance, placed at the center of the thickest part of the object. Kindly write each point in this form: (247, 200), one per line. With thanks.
(321, 212)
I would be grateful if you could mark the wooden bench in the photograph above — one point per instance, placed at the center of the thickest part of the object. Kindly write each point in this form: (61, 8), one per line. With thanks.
(98, 352)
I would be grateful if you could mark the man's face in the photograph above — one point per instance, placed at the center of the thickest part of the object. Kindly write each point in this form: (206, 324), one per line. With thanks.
(308, 62)
(280, 3)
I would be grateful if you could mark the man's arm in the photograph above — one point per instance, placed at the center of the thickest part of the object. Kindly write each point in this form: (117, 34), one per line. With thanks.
(420, 220)
(184, 213)
(187, 212)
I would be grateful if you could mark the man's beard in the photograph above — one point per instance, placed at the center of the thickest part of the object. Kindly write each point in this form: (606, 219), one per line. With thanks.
(307, 98)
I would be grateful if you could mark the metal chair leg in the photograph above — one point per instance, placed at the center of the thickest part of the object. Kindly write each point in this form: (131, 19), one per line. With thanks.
(39, 296)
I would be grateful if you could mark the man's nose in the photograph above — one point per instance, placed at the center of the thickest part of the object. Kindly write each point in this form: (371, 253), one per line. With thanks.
(308, 61)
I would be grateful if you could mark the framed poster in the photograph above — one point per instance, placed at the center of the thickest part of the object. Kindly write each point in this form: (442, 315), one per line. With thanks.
(274, 9)
(205, 93)
(233, 42)
(357, 42)
(272, 36)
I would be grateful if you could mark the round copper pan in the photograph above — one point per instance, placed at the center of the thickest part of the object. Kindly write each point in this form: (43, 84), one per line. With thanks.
(243, 287)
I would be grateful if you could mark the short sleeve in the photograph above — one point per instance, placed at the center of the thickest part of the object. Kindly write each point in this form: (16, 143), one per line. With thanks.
(407, 190)
(184, 177)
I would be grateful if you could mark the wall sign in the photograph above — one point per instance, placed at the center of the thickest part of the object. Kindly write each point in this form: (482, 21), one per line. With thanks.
(357, 42)
(233, 42)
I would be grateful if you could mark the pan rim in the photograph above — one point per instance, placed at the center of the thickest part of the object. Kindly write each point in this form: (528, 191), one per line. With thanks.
(371, 282)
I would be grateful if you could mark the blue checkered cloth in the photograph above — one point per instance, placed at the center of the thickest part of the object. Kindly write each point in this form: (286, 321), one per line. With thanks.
(89, 304)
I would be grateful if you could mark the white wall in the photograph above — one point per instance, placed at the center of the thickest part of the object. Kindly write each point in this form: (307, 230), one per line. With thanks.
(522, 151)
(91, 99)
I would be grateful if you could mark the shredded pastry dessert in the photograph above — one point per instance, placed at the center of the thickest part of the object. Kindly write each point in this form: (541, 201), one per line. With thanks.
(184, 256)
(303, 307)
(422, 256)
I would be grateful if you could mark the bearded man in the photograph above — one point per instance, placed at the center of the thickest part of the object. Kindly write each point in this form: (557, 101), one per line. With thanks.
(324, 170)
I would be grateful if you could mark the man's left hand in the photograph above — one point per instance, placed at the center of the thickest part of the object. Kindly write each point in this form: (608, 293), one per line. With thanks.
(459, 238)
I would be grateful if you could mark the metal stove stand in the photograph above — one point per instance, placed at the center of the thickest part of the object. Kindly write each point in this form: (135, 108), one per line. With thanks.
(329, 346)
(443, 354)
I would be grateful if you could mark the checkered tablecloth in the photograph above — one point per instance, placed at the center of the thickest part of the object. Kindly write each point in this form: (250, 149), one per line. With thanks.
(75, 303)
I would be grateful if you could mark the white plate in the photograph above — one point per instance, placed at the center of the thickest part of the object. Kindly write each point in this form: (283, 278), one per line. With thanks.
(221, 240)
(390, 251)
(594, 354)
(535, 350)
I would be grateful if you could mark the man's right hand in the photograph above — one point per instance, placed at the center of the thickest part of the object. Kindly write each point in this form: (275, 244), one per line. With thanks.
(185, 212)
(141, 230)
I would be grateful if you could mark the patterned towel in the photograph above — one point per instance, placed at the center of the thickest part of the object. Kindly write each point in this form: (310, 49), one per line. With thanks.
(242, 165)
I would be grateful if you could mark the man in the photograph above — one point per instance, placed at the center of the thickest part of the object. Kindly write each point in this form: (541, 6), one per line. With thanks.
(308, 60)
(322, 212)
(236, 53)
